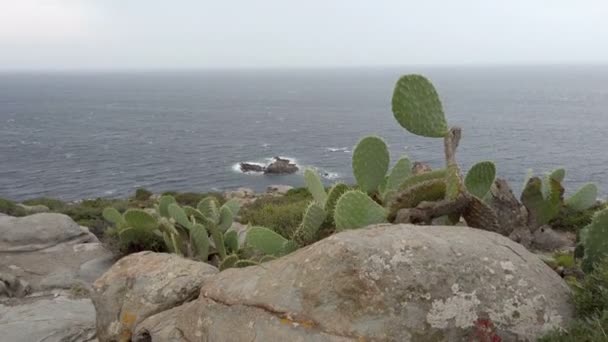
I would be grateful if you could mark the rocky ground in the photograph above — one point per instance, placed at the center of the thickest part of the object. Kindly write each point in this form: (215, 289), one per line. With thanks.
(384, 283)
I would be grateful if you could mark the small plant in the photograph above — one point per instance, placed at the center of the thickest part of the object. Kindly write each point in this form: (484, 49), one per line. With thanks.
(142, 194)
(594, 240)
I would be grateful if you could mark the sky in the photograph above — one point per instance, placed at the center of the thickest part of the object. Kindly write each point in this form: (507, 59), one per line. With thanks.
(186, 34)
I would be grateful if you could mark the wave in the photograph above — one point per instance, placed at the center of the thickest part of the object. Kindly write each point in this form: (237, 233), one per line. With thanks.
(338, 149)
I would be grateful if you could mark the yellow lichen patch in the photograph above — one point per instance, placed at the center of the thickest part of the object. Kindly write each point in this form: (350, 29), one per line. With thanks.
(127, 321)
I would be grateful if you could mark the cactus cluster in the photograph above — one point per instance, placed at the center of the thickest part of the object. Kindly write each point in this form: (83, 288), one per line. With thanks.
(543, 197)
(594, 240)
(196, 233)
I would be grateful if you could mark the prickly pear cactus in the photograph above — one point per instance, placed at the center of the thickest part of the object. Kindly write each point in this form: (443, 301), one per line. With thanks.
(334, 195)
(231, 240)
(315, 186)
(453, 182)
(423, 177)
(558, 174)
(542, 209)
(480, 178)
(229, 262)
(265, 241)
(208, 206)
(417, 107)
(356, 209)
(140, 220)
(218, 239)
(314, 216)
(584, 198)
(370, 163)
(399, 173)
(594, 238)
(429, 190)
(234, 206)
(245, 263)
(163, 205)
(200, 242)
(225, 219)
(179, 215)
(113, 216)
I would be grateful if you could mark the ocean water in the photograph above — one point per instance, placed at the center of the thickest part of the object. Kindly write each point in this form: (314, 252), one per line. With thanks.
(82, 135)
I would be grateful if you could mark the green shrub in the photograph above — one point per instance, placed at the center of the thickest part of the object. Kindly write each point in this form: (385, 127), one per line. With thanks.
(51, 203)
(192, 198)
(282, 214)
(142, 194)
(88, 213)
(10, 208)
(572, 220)
(591, 303)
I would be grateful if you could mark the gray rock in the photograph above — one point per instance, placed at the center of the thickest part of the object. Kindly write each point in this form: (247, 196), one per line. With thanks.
(547, 239)
(384, 283)
(13, 287)
(48, 250)
(54, 319)
(143, 284)
(278, 189)
(36, 232)
(281, 166)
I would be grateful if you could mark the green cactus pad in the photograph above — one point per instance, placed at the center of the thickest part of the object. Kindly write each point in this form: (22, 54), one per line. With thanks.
(229, 262)
(218, 239)
(595, 240)
(314, 216)
(399, 173)
(370, 163)
(480, 178)
(453, 183)
(200, 241)
(558, 174)
(163, 205)
(209, 207)
(334, 195)
(234, 206)
(543, 210)
(113, 216)
(245, 263)
(584, 198)
(168, 243)
(179, 215)
(225, 219)
(315, 187)
(265, 241)
(423, 177)
(356, 209)
(417, 107)
(140, 220)
(231, 241)
(288, 247)
(430, 190)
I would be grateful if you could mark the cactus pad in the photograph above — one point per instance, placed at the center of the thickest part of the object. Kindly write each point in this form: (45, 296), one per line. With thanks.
(209, 207)
(231, 241)
(226, 218)
(558, 174)
(163, 205)
(265, 241)
(417, 107)
(334, 195)
(584, 198)
(480, 178)
(594, 238)
(245, 263)
(179, 215)
(453, 182)
(200, 242)
(234, 206)
(430, 190)
(399, 173)
(315, 187)
(140, 220)
(542, 209)
(229, 262)
(113, 216)
(314, 216)
(356, 209)
(370, 163)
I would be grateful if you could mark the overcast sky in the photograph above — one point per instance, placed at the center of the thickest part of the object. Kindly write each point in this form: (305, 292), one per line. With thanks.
(107, 34)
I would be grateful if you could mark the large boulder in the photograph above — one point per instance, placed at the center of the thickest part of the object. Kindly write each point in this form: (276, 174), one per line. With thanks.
(281, 166)
(141, 285)
(50, 251)
(382, 283)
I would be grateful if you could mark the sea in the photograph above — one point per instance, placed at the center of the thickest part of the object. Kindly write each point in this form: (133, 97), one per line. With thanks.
(77, 135)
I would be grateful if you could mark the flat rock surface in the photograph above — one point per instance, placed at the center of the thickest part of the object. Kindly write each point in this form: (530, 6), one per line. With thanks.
(382, 283)
(48, 319)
